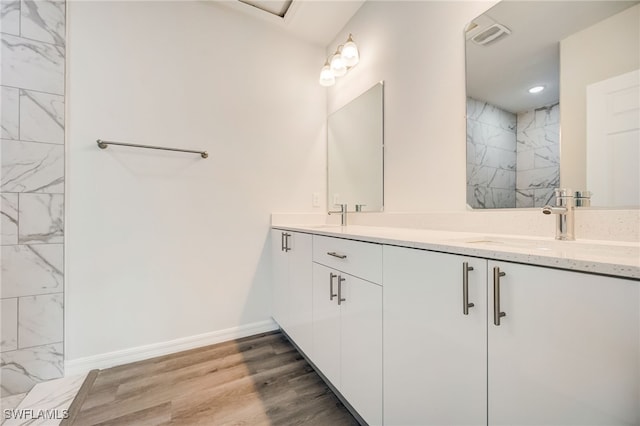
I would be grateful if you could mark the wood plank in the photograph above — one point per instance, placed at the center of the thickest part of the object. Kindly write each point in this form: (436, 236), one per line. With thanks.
(257, 380)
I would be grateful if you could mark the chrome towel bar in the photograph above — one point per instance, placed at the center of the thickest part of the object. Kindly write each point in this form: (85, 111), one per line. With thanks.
(103, 145)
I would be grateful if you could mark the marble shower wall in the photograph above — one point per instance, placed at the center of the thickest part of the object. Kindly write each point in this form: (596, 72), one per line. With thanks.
(491, 156)
(538, 154)
(32, 192)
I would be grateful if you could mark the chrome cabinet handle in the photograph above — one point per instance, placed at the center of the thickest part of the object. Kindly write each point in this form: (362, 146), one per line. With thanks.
(465, 288)
(282, 241)
(340, 299)
(334, 254)
(286, 242)
(496, 295)
(331, 293)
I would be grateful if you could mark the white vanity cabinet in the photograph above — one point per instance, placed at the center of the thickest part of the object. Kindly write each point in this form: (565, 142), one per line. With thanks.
(347, 321)
(435, 355)
(292, 285)
(567, 350)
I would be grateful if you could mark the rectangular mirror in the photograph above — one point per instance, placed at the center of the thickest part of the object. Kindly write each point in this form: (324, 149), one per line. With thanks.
(355, 153)
(515, 153)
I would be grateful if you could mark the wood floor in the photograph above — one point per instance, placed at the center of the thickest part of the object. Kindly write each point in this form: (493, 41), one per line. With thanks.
(259, 380)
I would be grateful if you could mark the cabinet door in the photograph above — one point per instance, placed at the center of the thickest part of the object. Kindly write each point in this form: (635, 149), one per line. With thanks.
(361, 347)
(566, 351)
(434, 354)
(280, 301)
(326, 324)
(300, 296)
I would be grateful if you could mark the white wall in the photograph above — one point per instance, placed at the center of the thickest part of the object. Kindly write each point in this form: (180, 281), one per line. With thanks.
(163, 246)
(604, 50)
(417, 48)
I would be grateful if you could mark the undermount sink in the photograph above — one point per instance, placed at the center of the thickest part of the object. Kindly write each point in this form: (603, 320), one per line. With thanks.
(556, 247)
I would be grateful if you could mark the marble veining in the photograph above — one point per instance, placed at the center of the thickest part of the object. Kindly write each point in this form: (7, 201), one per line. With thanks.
(40, 320)
(41, 117)
(54, 395)
(543, 178)
(32, 191)
(490, 114)
(28, 270)
(32, 167)
(9, 96)
(538, 156)
(9, 324)
(32, 65)
(9, 218)
(43, 20)
(491, 156)
(513, 152)
(22, 369)
(10, 16)
(41, 218)
(10, 402)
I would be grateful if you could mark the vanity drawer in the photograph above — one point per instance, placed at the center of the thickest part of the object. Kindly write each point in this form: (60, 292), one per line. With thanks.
(357, 258)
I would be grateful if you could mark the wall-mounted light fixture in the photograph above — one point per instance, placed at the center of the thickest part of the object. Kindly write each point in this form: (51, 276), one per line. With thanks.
(337, 64)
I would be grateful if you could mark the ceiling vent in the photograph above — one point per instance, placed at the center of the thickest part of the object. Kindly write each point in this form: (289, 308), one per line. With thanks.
(278, 8)
(491, 34)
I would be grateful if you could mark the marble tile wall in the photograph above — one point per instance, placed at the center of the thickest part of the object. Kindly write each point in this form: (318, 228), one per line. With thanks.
(538, 156)
(31, 192)
(491, 156)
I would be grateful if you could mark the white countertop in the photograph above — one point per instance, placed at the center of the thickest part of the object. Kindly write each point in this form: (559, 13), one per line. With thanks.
(621, 259)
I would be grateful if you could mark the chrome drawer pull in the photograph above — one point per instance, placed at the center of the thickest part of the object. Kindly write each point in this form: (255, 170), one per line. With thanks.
(287, 247)
(340, 299)
(334, 254)
(496, 295)
(331, 293)
(465, 288)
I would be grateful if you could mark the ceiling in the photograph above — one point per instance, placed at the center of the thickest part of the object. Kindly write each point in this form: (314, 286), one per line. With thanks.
(316, 21)
(501, 72)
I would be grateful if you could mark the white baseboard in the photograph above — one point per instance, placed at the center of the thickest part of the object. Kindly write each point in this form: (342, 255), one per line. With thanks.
(110, 359)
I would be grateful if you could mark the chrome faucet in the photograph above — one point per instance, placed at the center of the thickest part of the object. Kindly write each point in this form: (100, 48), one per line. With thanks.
(564, 209)
(343, 213)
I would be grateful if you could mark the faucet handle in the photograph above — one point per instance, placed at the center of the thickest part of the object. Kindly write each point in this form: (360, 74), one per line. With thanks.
(343, 207)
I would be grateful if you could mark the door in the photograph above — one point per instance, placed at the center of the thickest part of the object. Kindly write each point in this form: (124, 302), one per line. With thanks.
(361, 346)
(300, 296)
(613, 141)
(326, 323)
(280, 300)
(434, 355)
(567, 349)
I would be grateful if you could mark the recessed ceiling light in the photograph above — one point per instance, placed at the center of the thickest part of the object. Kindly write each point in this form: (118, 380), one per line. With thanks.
(536, 89)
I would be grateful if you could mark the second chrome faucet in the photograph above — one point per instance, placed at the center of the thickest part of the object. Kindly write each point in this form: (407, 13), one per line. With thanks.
(564, 209)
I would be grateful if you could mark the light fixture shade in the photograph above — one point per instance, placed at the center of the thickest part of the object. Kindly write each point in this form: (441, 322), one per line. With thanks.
(326, 76)
(350, 54)
(338, 66)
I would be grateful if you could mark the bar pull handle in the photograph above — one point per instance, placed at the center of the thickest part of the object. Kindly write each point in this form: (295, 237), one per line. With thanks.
(286, 242)
(496, 295)
(334, 254)
(465, 288)
(282, 234)
(340, 298)
(331, 293)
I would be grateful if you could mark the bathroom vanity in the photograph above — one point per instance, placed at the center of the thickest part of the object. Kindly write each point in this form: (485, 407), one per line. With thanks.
(415, 326)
